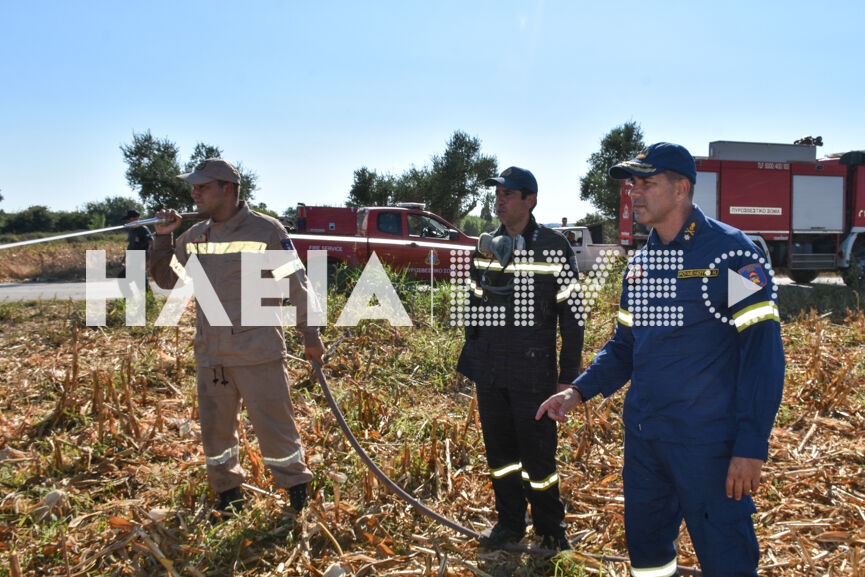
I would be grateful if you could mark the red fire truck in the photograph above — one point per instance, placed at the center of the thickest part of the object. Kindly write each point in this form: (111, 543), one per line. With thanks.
(405, 237)
(807, 215)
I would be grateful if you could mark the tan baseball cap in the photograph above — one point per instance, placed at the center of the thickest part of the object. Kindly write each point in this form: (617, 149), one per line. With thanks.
(211, 169)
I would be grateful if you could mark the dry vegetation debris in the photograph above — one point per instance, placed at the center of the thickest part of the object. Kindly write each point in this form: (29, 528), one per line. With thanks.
(103, 473)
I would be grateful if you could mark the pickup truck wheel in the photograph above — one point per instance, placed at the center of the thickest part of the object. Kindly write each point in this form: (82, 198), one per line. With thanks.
(803, 276)
(332, 271)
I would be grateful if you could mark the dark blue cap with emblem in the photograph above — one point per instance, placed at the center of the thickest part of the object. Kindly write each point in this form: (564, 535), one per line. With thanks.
(657, 158)
(515, 178)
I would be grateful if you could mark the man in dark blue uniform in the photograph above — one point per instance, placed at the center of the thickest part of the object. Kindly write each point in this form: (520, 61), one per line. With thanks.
(523, 287)
(139, 237)
(699, 337)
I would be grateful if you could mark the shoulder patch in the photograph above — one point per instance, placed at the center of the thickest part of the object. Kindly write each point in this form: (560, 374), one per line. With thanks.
(754, 272)
(286, 244)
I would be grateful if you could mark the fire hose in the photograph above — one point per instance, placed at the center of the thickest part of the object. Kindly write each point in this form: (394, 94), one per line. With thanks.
(132, 224)
(426, 511)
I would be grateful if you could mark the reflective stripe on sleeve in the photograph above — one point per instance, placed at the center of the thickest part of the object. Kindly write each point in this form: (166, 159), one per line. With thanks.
(506, 470)
(626, 318)
(541, 485)
(476, 290)
(291, 267)
(764, 311)
(178, 268)
(293, 458)
(223, 457)
(232, 247)
(566, 292)
(537, 267)
(664, 571)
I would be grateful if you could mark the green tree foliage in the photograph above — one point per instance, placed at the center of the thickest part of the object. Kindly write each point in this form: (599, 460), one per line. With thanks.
(451, 187)
(415, 185)
(458, 176)
(248, 179)
(153, 165)
(475, 225)
(621, 143)
(108, 212)
(114, 209)
(34, 219)
(201, 153)
(97, 220)
(66, 221)
(262, 208)
(370, 189)
(488, 203)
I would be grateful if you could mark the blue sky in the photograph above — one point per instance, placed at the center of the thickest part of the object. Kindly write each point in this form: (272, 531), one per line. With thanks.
(304, 93)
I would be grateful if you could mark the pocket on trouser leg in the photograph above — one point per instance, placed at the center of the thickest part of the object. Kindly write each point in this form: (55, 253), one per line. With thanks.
(727, 544)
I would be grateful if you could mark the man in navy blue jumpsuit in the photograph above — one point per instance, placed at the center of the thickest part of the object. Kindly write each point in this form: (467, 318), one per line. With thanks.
(531, 287)
(699, 337)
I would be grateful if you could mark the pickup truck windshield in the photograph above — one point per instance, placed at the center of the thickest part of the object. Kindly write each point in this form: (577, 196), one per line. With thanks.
(425, 227)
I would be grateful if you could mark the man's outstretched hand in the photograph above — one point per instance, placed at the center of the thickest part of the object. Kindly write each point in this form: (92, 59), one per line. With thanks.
(559, 405)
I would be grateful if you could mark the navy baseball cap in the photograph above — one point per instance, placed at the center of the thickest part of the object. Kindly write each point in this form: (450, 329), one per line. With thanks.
(657, 158)
(515, 178)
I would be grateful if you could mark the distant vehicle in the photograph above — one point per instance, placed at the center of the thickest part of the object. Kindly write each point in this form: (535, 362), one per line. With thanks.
(584, 247)
(406, 237)
(807, 215)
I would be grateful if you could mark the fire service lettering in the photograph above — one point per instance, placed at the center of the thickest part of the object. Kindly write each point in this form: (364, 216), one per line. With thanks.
(759, 210)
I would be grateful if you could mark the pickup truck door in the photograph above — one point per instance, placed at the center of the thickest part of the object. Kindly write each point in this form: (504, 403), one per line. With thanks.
(386, 237)
(413, 241)
(430, 246)
(579, 247)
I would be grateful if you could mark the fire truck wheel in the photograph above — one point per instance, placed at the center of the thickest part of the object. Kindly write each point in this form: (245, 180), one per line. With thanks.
(854, 275)
(803, 276)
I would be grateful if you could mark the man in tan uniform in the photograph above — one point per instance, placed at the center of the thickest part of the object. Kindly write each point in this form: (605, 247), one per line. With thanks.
(238, 361)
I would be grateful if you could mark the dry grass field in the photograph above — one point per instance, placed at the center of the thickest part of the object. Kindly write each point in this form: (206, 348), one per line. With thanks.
(103, 474)
(59, 260)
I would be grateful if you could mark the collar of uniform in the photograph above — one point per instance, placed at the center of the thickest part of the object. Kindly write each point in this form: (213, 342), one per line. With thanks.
(235, 221)
(690, 229)
(531, 226)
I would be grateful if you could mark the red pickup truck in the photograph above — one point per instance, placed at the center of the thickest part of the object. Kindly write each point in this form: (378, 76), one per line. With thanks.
(405, 237)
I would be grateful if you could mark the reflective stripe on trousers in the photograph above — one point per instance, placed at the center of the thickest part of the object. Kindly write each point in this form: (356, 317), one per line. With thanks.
(665, 571)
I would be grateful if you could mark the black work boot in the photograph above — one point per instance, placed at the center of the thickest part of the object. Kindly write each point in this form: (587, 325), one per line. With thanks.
(297, 497)
(500, 536)
(230, 503)
(558, 542)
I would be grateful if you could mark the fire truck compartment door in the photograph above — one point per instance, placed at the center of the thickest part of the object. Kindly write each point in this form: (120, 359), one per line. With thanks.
(818, 203)
(706, 193)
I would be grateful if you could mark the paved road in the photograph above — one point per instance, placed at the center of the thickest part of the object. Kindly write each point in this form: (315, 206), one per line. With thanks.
(34, 291)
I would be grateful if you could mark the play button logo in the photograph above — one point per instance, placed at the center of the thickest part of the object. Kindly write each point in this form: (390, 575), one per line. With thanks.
(739, 288)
